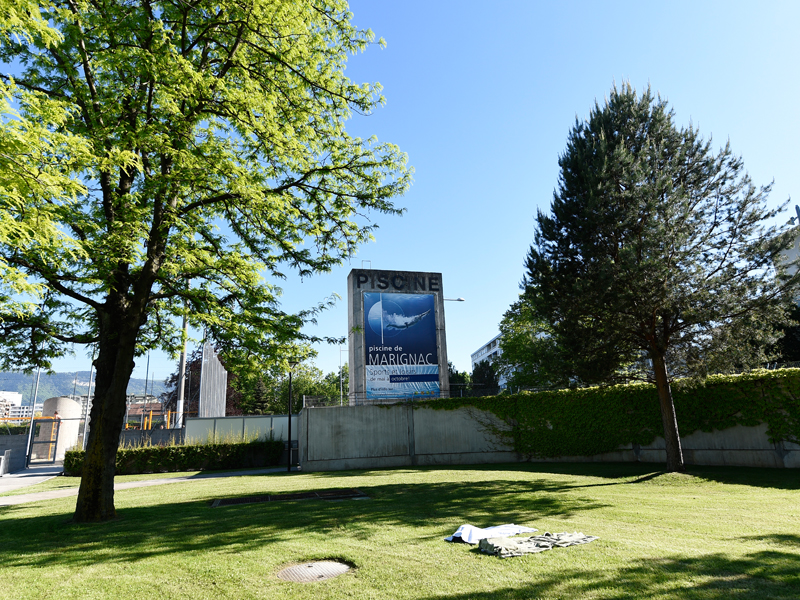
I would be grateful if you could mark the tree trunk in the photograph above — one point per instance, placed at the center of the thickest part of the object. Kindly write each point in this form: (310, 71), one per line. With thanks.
(672, 438)
(114, 365)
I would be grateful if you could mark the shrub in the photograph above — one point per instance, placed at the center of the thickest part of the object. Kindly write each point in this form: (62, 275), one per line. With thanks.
(13, 429)
(199, 457)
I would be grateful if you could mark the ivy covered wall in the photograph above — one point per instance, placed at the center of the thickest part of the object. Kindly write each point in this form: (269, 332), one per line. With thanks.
(589, 421)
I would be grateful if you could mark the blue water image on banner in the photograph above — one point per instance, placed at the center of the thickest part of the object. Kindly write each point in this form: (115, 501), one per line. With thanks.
(400, 342)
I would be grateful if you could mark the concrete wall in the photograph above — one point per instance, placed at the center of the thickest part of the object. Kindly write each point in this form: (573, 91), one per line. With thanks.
(369, 437)
(18, 446)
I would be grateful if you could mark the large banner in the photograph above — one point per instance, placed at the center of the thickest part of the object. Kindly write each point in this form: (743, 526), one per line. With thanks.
(400, 343)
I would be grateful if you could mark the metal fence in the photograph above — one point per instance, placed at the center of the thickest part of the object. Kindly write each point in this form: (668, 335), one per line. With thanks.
(786, 365)
(362, 399)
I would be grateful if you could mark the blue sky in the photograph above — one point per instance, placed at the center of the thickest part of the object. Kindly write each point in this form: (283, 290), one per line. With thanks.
(482, 97)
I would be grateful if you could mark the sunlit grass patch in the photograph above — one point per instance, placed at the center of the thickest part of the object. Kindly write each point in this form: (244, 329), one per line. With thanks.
(710, 534)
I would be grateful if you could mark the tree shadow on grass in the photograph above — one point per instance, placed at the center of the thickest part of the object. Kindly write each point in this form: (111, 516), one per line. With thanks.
(767, 574)
(782, 479)
(623, 473)
(778, 539)
(603, 470)
(427, 510)
(430, 509)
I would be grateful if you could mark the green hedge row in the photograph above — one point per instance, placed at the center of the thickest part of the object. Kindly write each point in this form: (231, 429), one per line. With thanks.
(588, 421)
(200, 457)
(13, 429)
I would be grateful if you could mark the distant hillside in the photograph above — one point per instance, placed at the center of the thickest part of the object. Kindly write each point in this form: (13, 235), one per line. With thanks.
(62, 384)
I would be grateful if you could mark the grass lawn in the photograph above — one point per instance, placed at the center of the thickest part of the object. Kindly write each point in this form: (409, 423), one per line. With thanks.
(712, 533)
(63, 483)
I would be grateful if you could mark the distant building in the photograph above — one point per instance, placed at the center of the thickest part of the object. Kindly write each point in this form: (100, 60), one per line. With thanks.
(489, 352)
(11, 398)
(9, 405)
(140, 406)
(792, 254)
(20, 414)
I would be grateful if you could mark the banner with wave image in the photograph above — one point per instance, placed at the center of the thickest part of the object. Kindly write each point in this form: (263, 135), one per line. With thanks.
(400, 341)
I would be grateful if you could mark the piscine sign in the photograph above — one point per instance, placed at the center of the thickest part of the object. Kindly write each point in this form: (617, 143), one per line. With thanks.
(397, 337)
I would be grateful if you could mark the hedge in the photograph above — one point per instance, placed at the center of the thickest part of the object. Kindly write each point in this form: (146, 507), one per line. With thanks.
(588, 421)
(13, 429)
(199, 457)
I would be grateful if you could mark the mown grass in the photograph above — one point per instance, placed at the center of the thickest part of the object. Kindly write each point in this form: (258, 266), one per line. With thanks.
(63, 483)
(713, 533)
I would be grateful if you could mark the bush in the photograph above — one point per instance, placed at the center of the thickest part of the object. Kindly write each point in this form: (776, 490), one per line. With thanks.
(13, 429)
(198, 457)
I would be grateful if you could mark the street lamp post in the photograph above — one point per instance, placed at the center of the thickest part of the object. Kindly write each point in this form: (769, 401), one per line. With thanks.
(456, 300)
(341, 386)
(292, 365)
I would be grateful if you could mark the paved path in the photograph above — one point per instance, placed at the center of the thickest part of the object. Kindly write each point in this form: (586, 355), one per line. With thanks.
(30, 476)
(31, 479)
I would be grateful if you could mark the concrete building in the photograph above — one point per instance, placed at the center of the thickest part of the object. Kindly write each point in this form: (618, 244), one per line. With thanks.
(11, 398)
(17, 414)
(489, 352)
(9, 402)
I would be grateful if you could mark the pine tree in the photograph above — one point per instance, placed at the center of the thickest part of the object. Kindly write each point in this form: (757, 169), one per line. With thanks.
(655, 260)
(260, 398)
(485, 380)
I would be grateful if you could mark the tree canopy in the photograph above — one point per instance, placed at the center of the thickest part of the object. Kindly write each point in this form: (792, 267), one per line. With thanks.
(460, 381)
(656, 259)
(485, 380)
(530, 358)
(175, 157)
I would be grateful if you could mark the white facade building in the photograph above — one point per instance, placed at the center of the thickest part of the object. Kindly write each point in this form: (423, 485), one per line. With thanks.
(11, 398)
(21, 413)
(489, 352)
(9, 403)
(792, 254)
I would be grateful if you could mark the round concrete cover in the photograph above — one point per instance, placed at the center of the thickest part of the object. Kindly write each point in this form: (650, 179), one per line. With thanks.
(314, 571)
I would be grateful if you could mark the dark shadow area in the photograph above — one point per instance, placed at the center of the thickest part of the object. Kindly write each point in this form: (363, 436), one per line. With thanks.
(778, 539)
(785, 479)
(603, 470)
(781, 479)
(194, 526)
(772, 575)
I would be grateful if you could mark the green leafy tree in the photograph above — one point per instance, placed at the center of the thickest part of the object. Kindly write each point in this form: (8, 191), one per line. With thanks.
(171, 158)
(655, 260)
(530, 357)
(485, 379)
(307, 380)
(336, 387)
(460, 381)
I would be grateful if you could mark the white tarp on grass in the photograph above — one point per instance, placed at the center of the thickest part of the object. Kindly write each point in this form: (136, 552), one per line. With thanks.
(472, 535)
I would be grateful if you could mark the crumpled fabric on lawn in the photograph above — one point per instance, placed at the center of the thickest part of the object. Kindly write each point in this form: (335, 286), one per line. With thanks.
(505, 547)
(470, 534)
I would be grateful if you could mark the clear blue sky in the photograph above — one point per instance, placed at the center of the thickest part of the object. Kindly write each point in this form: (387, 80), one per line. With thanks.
(482, 96)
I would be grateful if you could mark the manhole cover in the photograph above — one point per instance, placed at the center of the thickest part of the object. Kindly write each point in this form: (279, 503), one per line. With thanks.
(313, 571)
